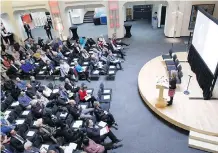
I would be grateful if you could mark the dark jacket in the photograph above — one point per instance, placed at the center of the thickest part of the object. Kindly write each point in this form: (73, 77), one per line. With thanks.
(47, 27)
(56, 148)
(31, 92)
(74, 111)
(37, 110)
(27, 27)
(172, 83)
(17, 144)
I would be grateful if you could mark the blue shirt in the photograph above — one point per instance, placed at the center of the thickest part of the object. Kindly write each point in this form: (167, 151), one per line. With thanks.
(60, 55)
(27, 67)
(79, 68)
(21, 85)
(6, 129)
(24, 100)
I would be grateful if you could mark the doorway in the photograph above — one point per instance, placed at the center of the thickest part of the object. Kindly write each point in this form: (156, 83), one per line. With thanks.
(163, 15)
(142, 12)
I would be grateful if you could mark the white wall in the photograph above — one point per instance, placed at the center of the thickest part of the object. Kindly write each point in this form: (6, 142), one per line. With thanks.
(6, 21)
(187, 13)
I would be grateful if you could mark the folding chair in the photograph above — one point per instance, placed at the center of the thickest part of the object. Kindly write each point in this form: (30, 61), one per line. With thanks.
(103, 98)
(105, 91)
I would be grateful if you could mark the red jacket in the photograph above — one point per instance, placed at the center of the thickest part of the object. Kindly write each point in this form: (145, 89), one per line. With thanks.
(82, 94)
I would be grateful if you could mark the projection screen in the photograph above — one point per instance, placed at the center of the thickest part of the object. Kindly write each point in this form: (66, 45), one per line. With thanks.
(205, 40)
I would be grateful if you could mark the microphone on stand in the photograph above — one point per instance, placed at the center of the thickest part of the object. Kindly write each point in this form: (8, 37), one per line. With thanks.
(186, 92)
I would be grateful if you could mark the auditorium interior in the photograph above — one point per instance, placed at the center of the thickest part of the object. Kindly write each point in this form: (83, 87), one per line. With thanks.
(109, 76)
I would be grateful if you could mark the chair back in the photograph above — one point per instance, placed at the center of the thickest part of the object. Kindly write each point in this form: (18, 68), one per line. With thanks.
(176, 62)
(101, 87)
(174, 57)
(99, 94)
(179, 67)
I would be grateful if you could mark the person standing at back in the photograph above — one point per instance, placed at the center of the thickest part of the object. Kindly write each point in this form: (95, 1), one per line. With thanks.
(27, 30)
(47, 28)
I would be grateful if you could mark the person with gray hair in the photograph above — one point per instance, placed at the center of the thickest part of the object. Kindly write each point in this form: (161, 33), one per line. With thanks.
(29, 148)
(78, 112)
(71, 86)
(172, 87)
(64, 68)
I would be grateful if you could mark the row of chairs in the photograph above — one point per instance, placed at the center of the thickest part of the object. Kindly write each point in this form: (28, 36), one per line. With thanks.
(172, 63)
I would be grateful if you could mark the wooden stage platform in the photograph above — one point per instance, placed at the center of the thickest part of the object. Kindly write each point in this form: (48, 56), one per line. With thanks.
(190, 114)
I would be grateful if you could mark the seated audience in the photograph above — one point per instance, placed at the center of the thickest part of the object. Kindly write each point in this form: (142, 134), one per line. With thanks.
(27, 68)
(103, 115)
(77, 112)
(94, 133)
(69, 85)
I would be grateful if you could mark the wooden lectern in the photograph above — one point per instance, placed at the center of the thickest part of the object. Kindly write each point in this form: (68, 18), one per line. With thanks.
(161, 85)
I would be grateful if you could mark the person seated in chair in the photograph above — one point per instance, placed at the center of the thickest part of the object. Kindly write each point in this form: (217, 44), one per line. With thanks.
(65, 50)
(30, 91)
(64, 68)
(44, 58)
(50, 67)
(94, 133)
(114, 60)
(60, 52)
(27, 68)
(21, 84)
(118, 42)
(34, 82)
(77, 112)
(91, 147)
(29, 59)
(84, 97)
(24, 100)
(71, 86)
(103, 115)
(55, 149)
(13, 70)
(80, 71)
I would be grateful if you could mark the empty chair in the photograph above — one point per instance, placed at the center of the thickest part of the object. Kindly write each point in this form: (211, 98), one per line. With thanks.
(171, 61)
(105, 91)
(168, 56)
(103, 98)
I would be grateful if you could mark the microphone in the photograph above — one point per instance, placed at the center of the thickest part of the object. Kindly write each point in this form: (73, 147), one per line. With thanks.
(189, 75)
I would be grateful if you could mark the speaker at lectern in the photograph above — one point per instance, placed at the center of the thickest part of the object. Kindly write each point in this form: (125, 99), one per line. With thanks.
(162, 83)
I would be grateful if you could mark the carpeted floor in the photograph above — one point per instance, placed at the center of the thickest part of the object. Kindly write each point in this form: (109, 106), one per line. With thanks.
(141, 130)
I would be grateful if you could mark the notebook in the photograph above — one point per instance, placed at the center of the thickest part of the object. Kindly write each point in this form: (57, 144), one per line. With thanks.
(7, 112)
(41, 72)
(111, 72)
(15, 103)
(30, 133)
(107, 91)
(87, 97)
(77, 124)
(44, 148)
(83, 106)
(25, 112)
(63, 115)
(107, 97)
(44, 68)
(104, 131)
(102, 124)
(55, 90)
(19, 121)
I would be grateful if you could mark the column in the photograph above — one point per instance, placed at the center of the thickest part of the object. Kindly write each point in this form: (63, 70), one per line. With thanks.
(174, 18)
(115, 18)
(56, 16)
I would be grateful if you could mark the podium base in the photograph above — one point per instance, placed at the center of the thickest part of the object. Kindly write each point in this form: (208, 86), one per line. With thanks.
(161, 103)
